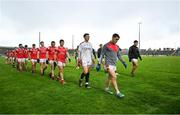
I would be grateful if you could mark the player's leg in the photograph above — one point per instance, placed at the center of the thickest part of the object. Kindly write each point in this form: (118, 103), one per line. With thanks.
(87, 73)
(41, 68)
(52, 69)
(134, 66)
(61, 71)
(33, 65)
(113, 76)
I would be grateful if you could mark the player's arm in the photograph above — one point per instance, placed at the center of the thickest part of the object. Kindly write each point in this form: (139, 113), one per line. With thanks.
(130, 54)
(47, 54)
(121, 59)
(68, 56)
(139, 54)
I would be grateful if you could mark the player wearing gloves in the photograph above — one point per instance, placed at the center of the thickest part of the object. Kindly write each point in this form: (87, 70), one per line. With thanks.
(111, 53)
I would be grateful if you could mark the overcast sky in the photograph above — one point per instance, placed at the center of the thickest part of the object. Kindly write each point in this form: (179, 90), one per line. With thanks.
(21, 20)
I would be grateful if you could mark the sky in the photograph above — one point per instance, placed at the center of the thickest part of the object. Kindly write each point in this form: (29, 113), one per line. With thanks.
(22, 20)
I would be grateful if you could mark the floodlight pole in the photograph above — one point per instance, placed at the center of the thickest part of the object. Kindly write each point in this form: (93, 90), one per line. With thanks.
(139, 35)
(72, 41)
(39, 38)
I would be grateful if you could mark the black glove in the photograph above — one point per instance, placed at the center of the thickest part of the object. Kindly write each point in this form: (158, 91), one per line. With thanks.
(125, 65)
(69, 60)
(38, 60)
(47, 61)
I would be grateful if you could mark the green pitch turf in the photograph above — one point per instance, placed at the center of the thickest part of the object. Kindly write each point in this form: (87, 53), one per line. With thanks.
(155, 89)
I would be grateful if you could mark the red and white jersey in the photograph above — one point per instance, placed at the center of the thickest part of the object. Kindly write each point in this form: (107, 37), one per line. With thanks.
(11, 53)
(51, 52)
(42, 52)
(20, 53)
(33, 53)
(61, 54)
(25, 53)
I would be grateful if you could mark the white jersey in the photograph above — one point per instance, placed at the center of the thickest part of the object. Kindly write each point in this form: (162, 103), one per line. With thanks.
(85, 51)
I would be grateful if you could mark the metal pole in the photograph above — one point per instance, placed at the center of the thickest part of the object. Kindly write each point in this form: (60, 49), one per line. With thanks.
(139, 35)
(39, 38)
(72, 41)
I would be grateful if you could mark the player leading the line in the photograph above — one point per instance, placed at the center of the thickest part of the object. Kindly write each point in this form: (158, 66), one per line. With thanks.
(111, 52)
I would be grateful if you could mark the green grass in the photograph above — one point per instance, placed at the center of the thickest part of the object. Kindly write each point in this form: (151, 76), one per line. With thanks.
(155, 89)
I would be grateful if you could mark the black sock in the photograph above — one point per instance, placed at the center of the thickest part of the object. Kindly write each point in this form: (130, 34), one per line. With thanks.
(82, 75)
(87, 77)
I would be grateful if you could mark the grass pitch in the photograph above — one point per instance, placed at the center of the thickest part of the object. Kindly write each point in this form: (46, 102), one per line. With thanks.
(155, 89)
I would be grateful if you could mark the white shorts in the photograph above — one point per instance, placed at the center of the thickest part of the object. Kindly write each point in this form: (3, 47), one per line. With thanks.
(111, 67)
(61, 64)
(25, 59)
(33, 60)
(134, 60)
(86, 63)
(20, 60)
(42, 60)
(51, 61)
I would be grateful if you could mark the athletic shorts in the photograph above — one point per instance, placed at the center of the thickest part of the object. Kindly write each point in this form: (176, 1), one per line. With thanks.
(20, 60)
(86, 63)
(52, 61)
(25, 59)
(61, 64)
(42, 60)
(33, 60)
(111, 67)
(134, 60)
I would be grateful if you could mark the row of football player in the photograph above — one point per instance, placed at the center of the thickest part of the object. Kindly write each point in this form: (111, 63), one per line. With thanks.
(110, 51)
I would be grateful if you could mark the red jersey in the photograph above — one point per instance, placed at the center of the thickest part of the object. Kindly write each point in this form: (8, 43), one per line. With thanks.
(25, 53)
(42, 52)
(20, 53)
(51, 52)
(33, 53)
(61, 54)
(11, 53)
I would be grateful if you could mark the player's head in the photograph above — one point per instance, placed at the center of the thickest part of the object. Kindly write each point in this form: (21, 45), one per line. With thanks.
(100, 45)
(20, 46)
(33, 45)
(42, 43)
(61, 42)
(26, 46)
(53, 43)
(86, 37)
(135, 42)
(115, 38)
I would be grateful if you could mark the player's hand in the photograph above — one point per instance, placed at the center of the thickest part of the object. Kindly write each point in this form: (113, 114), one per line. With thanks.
(125, 65)
(98, 67)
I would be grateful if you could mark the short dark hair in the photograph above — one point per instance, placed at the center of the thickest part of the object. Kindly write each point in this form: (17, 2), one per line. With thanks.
(41, 42)
(85, 34)
(115, 35)
(33, 44)
(135, 41)
(26, 46)
(61, 40)
(52, 41)
(20, 44)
